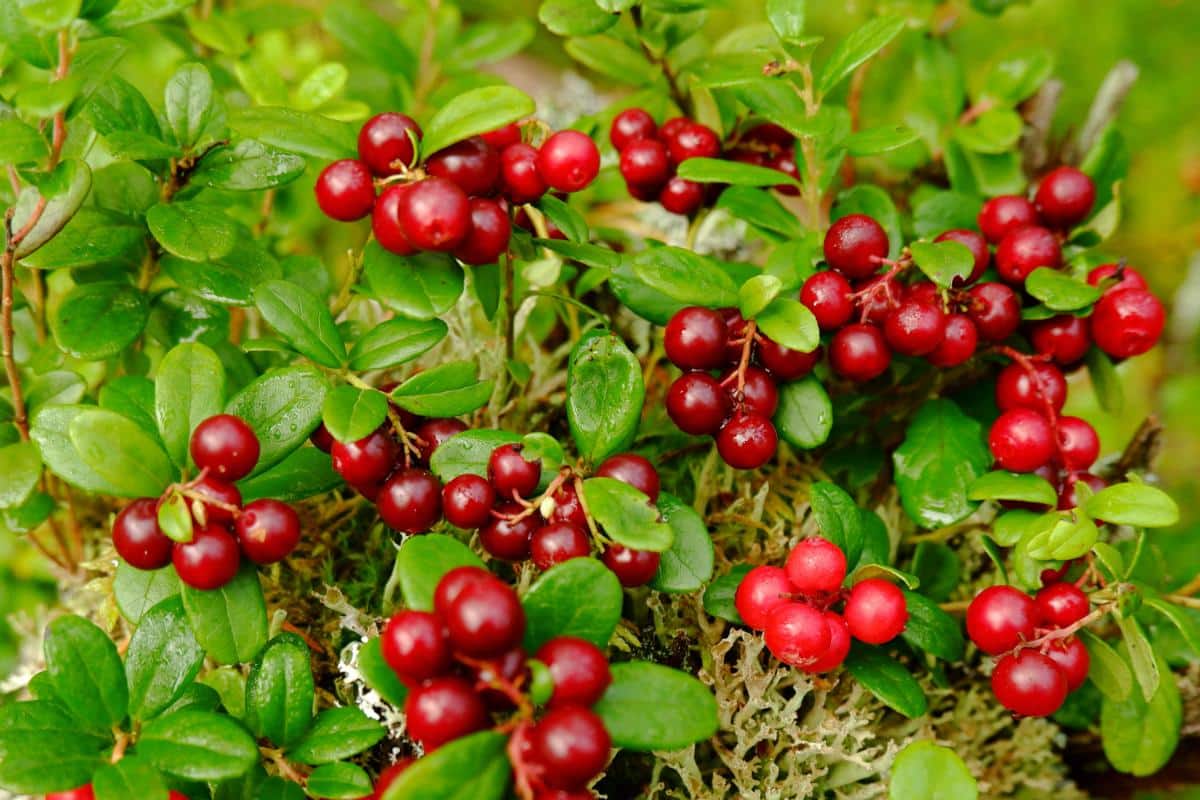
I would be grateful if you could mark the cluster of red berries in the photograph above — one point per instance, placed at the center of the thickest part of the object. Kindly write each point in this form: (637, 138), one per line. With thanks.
(225, 449)
(736, 407)
(458, 200)
(464, 662)
(86, 793)
(793, 606)
(1039, 660)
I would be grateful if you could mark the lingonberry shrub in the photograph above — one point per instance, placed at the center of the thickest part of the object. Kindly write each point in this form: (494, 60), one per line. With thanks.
(639, 443)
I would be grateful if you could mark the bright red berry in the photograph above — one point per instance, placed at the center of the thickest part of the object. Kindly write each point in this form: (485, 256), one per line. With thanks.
(210, 560)
(415, 646)
(410, 501)
(681, 196)
(977, 244)
(855, 244)
(511, 473)
(345, 191)
(1127, 322)
(1002, 215)
(816, 565)
(1000, 618)
(225, 446)
(433, 433)
(485, 619)
(758, 395)
(467, 501)
(1061, 604)
(522, 181)
(695, 338)
(876, 297)
(452, 583)
(568, 161)
(747, 441)
(827, 296)
(385, 220)
(563, 794)
(82, 793)
(1016, 387)
(509, 534)
(645, 163)
(503, 137)
(958, 344)
(785, 162)
(385, 144)
(797, 634)
(1111, 277)
(839, 645)
(579, 669)
(489, 233)
(697, 403)
(472, 164)
(915, 328)
(785, 363)
(556, 542)
(1065, 197)
(1021, 440)
(632, 567)
(442, 710)
(435, 214)
(1029, 683)
(572, 745)
(996, 311)
(629, 126)
(1078, 442)
(634, 470)
(671, 128)
(321, 438)
(876, 611)
(859, 352)
(568, 507)
(1024, 250)
(1064, 338)
(268, 530)
(693, 140)
(137, 537)
(1072, 657)
(761, 591)
(367, 460)
(221, 500)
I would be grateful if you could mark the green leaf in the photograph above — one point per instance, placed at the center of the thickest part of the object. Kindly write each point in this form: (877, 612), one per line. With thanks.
(1110, 392)
(760, 209)
(299, 132)
(1179, 618)
(134, 12)
(805, 414)
(487, 42)
(757, 293)
(20, 143)
(1062, 540)
(42, 749)
(474, 767)
(57, 387)
(279, 691)
(626, 515)
(579, 597)
(379, 675)
(86, 672)
(198, 746)
(302, 319)
(942, 262)
(351, 413)
(131, 461)
(685, 277)
(932, 629)
(283, 407)
(887, 679)
(188, 389)
(98, 320)
(363, 33)
(50, 14)
(230, 622)
(93, 237)
(447, 390)
(132, 776)
(335, 734)
(994, 131)
(194, 114)
(423, 560)
(1110, 560)
(879, 140)
(1139, 736)
(942, 211)
(638, 719)
(339, 781)
(787, 18)
(857, 48)
(163, 659)
(192, 230)
(305, 473)
(734, 173)
(20, 469)
(49, 429)
(474, 112)
(1019, 76)
(838, 518)
(1141, 656)
(137, 591)
(320, 86)
(1025, 488)
(789, 322)
(688, 564)
(1059, 291)
(937, 567)
(1133, 504)
(63, 192)
(718, 597)
(575, 17)
(419, 287)
(468, 452)
(927, 771)
(612, 57)
(942, 454)
(605, 394)
(247, 166)
(395, 342)
(1108, 670)
(565, 218)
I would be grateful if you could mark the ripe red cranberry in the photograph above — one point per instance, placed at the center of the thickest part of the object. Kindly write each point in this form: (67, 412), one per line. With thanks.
(1002, 215)
(467, 501)
(386, 778)
(1111, 277)
(1000, 618)
(671, 128)
(925, 292)
(568, 161)
(489, 233)
(784, 363)
(632, 567)
(433, 433)
(915, 328)
(384, 143)
(572, 745)
(1127, 322)
(568, 507)
(759, 395)
(82, 793)
(1078, 442)
(579, 669)
(816, 565)
(410, 501)
(958, 344)
(693, 140)
(321, 438)
(512, 666)
(770, 136)
(1030, 684)
(839, 645)
(681, 196)
(646, 164)
(137, 537)
(629, 126)
(472, 164)
(503, 137)
(695, 338)
(268, 530)
(854, 244)
(1072, 657)
(1061, 604)
(797, 634)
(442, 710)
(697, 403)
(877, 297)
(859, 352)
(366, 461)
(556, 542)
(876, 611)
(485, 619)
(210, 560)
(1064, 338)
(522, 181)
(414, 644)
(1016, 388)
(747, 441)
(752, 157)
(452, 583)
(1021, 440)
(435, 214)
(511, 473)
(1065, 197)
(385, 220)
(1024, 250)
(563, 794)
(633, 469)
(1068, 494)
(785, 162)
(827, 296)
(504, 536)
(221, 499)
(995, 309)
(345, 191)
(974, 241)
(225, 446)
(735, 323)
(761, 591)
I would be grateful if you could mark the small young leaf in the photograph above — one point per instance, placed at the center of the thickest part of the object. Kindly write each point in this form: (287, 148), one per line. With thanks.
(688, 565)
(787, 18)
(575, 17)
(888, 680)
(195, 115)
(474, 112)
(198, 746)
(579, 597)
(230, 622)
(335, 734)
(718, 597)
(395, 342)
(1059, 291)
(879, 140)
(279, 691)
(760, 209)
(927, 771)
(423, 560)
(605, 393)
(351, 413)
(789, 322)
(163, 659)
(55, 199)
(86, 672)
(474, 767)
(1063, 540)
(757, 293)
(942, 262)
(299, 132)
(20, 143)
(1000, 485)
(626, 515)
(1133, 504)
(1179, 618)
(805, 414)
(302, 319)
(637, 718)
(447, 390)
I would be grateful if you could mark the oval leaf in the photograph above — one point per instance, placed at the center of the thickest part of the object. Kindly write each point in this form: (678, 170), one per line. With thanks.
(605, 394)
(688, 564)
(230, 622)
(579, 597)
(637, 718)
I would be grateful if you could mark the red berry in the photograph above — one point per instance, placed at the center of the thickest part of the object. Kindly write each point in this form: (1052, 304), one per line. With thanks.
(1000, 618)
(1017, 388)
(568, 161)
(1068, 494)
(511, 473)
(366, 461)
(1002, 215)
(1065, 197)
(579, 669)
(221, 499)
(632, 567)
(1021, 440)
(973, 241)
(414, 645)
(958, 344)
(485, 619)
(827, 295)
(137, 537)
(82, 793)
(345, 191)
(816, 565)
(747, 441)
(321, 438)
(452, 583)
(507, 537)
(785, 363)
(854, 244)
(572, 745)
(859, 352)
(268, 530)
(489, 233)
(435, 214)
(785, 162)
(1030, 684)
(760, 592)
(629, 126)
(1072, 657)
(386, 778)
(1111, 277)
(384, 143)
(411, 501)
(385, 220)
(1064, 338)
(503, 137)
(693, 140)
(681, 196)
(557, 542)
(996, 311)
(759, 395)
(671, 128)
(770, 136)
(563, 794)
(645, 163)
(839, 645)
(472, 164)
(695, 338)
(1024, 250)
(735, 323)
(877, 297)
(522, 181)
(435, 432)
(915, 328)
(210, 560)
(1078, 442)
(442, 710)
(1062, 604)
(634, 470)
(797, 634)
(467, 501)
(697, 403)
(568, 507)
(1127, 322)
(225, 446)
(876, 611)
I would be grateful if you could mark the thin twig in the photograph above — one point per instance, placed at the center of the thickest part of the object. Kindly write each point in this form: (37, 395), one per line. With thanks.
(1109, 99)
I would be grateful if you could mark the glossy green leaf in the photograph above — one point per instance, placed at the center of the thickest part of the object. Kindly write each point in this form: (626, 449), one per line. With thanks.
(20, 469)
(301, 132)
(93, 237)
(857, 48)
(131, 461)
(198, 746)
(247, 166)
(787, 18)
(20, 143)
(789, 322)
(192, 230)
(760, 209)
(1105, 381)
(86, 672)
(994, 131)
(838, 518)
(1107, 669)
(163, 659)
(1062, 540)
(687, 565)
(335, 734)
(188, 389)
(305, 473)
(283, 407)
(685, 277)
(719, 596)
(757, 293)
(98, 320)
(932, 629)
(132, 776)
(279, 691)
(942, 454)
(448, 390)
(379, 675)
(1142, 657)
(194, 113)
(579, 597)
(55, 200)
(927, 771)
(887, 679)
(137, 591)
(879, 140)
(605, 394)
(943, 262)
(419, 287)
(351, 413)
(231, 622)
(339, 781)
(1178, 617)
(1018, 76)
(805, 414)
(468, 451)
(1059, 291)
(1139, 737)
(638, 719)
(302, 319)
(395, 342)
(1133, 504)
(474, 767)
(43, 749)
(574, 17)
(423, 560)
(626, 515)
(1022, 487)
(474, 112)
(733, 173)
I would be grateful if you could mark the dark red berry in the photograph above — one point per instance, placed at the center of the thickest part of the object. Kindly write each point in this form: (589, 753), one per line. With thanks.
(633, 469)
(511, 473)
(816, 565)
(693, 140)
(859, 352)
(503, 137)
(1068, 493)
(958, 344)
(785, 363)
(827, 296)
(758, 395)
(210, 560)
(629, 126)
(1021, 440)
(1062, 604)
(1017, 388)
(556, 542)
(568, 507)
(770, 136)
(522, 181)
(442, 710)
(321, 438)
(435, 214)
(1030, 684)
(568, 161)
(877, 297)
(485, 619)
(1078, 443)
(225, 446)
(977, 244)
(760, 592)
(1072, 657)
(735, 323)
(572, 745)
(410, 501)
(695, 338)
(1064, 338)
(472, 164)
(785, 162)
(1024, 250)
(1002, 215)
(854, 245)
(915, 328)
(433, 433)
(1111, 277)
(467, 501)
(839, 645)
(366, 461)
(81, 793)
(645, 163)
(747, 441)
(507, 537)
(671, 128)
(221, 500)
(797, 634)
(268, 530)
(489, 233)
(1000, 618)
(345, 191)
(632, 567)
(876, 611)
(137, 537)
(579, 669)
(452, 583)
(1065, 197)
(414, 645)
(385, 220)
(996, 311)
(925, 292)
(681, 196)
(563, 794)
(697, 403)
(511, 667)
(1127, 322)
(384, 143)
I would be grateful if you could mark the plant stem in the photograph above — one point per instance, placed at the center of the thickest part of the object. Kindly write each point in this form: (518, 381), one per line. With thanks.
(812, 195)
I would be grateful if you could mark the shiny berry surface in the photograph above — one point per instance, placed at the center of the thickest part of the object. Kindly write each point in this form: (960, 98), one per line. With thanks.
(568, 161)
(1000, 618)
(509, 533)
(761, 591)
(632, 567)
(693, 140)
(137, 537)
(629, 126)
(485, 619)
(385, 144)
(747, 441)
(488, 235)
(410, 501)
(695, 338)
(854, 244)
(452, 583)
(697, 403)
(431, 434)
(1029, 684)
(646, 163)
(442, 710)
(797, 634)
(959, 342)
(268, 530)
(221, 500)
(1127, 322)
(518, 168)
(827, 296)
(758, 394)
(681, 196)
(1078, 442)
(1002, 215)
(1061, 604)
(859, 352)
(1065, 197)
(556, 542)
(915, 328)
(839, 645)
(415, 646)
(385, 221)
(816, 565)
(1018, 387)
(345, 191)
(210, 560)
(1024, 250)
(435, 214)
(1071, 656)
(367, 460)
(579, 669)
(82, 793)
(1021, 440)
(473, 164)
(1064, 338)
(995, 309)
(784, 363)
(511, 473)
(225, 446)
(876, 611)
(635, 470)
(1111, 277)
(467, 501)
(572, 745)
